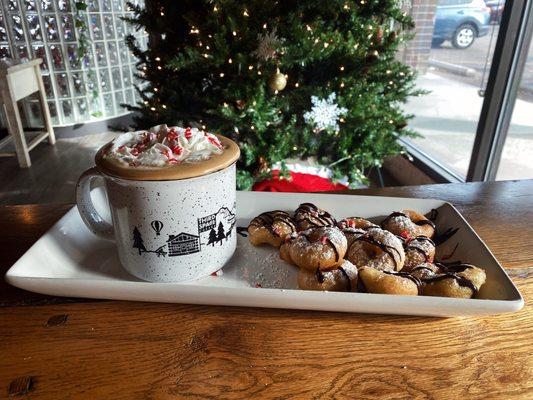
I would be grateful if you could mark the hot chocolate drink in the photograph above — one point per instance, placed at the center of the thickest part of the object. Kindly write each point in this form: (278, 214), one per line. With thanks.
(171, 192)
(166, 153)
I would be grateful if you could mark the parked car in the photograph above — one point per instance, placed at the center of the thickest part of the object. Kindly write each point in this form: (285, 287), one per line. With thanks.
(496, 9)
(461, 22)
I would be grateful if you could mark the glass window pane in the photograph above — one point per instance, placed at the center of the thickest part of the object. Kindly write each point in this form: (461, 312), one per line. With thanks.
(517, 157)
(452, 55)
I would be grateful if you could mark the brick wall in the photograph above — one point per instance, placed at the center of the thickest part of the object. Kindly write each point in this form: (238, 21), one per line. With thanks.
(416, 51)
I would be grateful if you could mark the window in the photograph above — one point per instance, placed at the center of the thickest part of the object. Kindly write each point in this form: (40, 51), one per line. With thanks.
(517, 157)
(453, 51)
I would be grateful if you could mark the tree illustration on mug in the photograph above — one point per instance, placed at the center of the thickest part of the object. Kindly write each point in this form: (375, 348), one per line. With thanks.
(138, 241)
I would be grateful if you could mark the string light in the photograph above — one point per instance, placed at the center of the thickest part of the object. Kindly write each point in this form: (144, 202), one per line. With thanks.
(152, 108)
(207, 47)
(295, 148)
(296, 84)
(326, 44)
(252, 127)
(222, 75)
(164, 106)
(203, 127)
(215, 8)
(316, 40)
(254, 103)
(264, 25)
(250, 67)
(346, 7)
(155, 89)
(342, 84)
(206, 55)
(342, 68)
(159, 67)
(308, 28)
(245, 13)
(157, 59)
(341, 119)
(234, 33)
(276, 91)
(230, 61)
(194, 31)
(258, 72)
(225, 105)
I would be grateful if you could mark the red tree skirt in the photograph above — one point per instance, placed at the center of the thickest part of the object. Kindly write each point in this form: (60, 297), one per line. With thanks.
(299, 182)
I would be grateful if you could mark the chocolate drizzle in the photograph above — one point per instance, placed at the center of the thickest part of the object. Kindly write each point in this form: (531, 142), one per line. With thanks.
(308, 212)
(443, 237)
(319, 276)
(337, 257)
(451, 271)
(407, 275)
(411, 246)
(243, 231)
(387, 249)
(267, 219)
(348, 281)
(420, 222)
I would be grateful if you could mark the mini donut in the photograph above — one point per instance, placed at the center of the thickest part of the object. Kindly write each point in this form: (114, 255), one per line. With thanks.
(322, 248)
(339, 279)
(372, 280)
(425, 270)
(377, 248)
(352, 234)
(460, 280)
(309, 216)
(356, 222)
(408, 224)
(270, 227)
(418, 250)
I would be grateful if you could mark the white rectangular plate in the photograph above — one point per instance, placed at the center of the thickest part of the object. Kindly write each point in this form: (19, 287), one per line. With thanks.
(70, 261)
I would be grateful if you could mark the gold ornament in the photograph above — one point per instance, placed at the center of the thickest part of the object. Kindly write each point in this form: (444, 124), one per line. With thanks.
(278, 81)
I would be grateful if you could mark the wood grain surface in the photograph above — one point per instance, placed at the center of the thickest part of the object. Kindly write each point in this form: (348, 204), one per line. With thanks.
(50, 349)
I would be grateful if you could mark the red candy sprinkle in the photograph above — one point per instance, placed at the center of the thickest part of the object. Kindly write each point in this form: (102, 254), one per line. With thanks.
(214, 141)
(121, 148)
(177, 150)
(188, 133)
(258, 285)
(172, 135)
(405, 234)
(324, 239)
(134, 152)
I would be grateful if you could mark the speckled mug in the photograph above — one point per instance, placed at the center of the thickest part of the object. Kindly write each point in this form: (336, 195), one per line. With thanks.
(167, 230)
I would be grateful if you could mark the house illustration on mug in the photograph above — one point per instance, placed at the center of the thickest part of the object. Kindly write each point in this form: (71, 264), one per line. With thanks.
(182, 244)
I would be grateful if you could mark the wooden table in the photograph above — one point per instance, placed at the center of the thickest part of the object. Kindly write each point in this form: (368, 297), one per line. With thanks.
(56, 348)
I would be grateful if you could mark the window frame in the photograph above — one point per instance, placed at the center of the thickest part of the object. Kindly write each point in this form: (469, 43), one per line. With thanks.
(510, 54)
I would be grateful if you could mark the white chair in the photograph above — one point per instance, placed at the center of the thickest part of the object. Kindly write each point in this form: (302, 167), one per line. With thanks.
(16, 82)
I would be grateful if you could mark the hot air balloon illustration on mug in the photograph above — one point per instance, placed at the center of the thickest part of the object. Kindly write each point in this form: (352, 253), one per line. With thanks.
(157, 226)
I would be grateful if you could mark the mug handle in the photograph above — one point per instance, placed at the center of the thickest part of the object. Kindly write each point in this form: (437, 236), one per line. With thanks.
(86, 208)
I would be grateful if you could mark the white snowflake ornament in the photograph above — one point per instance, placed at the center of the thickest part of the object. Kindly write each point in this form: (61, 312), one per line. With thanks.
(268, 44)
(325, 113)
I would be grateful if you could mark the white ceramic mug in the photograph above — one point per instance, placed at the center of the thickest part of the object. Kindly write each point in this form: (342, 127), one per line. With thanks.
(166, 230)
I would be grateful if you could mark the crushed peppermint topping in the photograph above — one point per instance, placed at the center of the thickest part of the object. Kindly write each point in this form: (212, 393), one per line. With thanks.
(162, 145)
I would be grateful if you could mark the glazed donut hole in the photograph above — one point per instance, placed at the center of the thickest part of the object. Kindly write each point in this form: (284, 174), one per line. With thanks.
(378, 249)
(408, 224)
(271, 228)
(340, 279)
(308, 216)
(322, 248)
(418, 250)
(356, 222)
(372, 280)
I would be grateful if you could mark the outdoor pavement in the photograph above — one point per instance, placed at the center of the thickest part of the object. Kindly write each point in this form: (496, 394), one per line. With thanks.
(447, 118)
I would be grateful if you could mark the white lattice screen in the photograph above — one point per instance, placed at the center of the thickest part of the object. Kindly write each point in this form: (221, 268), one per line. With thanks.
(46, 29)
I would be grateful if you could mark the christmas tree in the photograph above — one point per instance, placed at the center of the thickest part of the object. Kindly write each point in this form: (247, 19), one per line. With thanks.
(138, 241)
(285, 79)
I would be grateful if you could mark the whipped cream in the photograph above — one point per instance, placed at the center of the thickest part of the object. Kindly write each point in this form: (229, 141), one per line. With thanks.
(162, 146)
